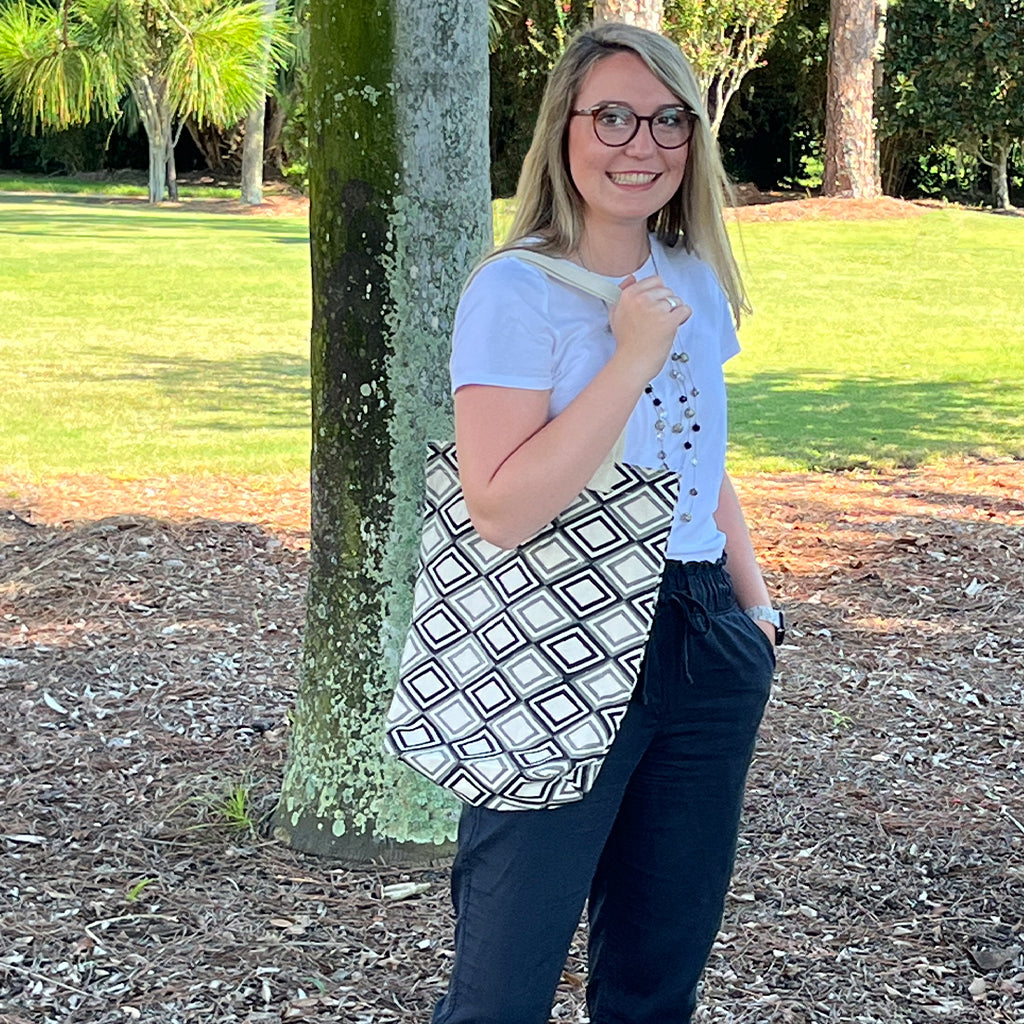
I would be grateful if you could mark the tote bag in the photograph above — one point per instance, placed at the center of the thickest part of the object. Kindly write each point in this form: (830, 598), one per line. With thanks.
(519, 664)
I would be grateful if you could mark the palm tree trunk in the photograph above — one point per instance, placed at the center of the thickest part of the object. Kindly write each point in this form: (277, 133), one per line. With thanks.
(399, 212)
(157, 169)
(150, 97)
(252, 146)
(172, 170)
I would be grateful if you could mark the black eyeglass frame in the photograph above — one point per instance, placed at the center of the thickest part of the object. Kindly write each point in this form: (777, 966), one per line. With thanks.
(595, 111)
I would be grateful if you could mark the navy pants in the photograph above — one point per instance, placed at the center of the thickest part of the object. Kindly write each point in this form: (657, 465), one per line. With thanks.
(649, 849)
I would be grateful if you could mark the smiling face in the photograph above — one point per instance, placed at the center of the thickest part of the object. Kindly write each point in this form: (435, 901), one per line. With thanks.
(622, 186)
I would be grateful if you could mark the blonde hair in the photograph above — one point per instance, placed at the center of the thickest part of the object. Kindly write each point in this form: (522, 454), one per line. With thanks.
(548, 205)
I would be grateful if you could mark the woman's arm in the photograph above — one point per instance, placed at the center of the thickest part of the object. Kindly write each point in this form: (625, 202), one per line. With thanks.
(748, 582)
(519, 470)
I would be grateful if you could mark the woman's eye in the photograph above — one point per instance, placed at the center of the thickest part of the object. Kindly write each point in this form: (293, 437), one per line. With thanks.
(670, 118)
(614, 117)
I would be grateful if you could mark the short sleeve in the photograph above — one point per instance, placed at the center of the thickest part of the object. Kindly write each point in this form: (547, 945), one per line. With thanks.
(728, 341)
(503, 334)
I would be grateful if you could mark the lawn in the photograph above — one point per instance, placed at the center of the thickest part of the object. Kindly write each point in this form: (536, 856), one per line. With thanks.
(880, 342)
(89, 186)
(142, 342)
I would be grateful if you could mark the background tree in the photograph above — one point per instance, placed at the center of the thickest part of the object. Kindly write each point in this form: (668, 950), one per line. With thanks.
(774, 127)
(645, 13)
(252, 147)
(851, 155)
(65, 65)
(399, 212)
(528, 41)
(955, 76)
(724, 40)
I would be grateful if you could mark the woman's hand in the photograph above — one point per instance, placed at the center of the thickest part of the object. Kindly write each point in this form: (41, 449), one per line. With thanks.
(644, 322)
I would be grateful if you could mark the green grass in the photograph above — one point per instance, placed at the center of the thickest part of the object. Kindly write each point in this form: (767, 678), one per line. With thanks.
(140, 342)
(71, 185)
(880, 343)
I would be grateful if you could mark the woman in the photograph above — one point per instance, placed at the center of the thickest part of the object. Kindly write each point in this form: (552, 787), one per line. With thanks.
(624, 180)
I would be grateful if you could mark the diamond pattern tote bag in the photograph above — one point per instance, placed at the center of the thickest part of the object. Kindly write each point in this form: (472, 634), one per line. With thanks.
(519, 664)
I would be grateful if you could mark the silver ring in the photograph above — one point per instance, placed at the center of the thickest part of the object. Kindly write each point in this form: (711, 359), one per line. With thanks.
(672, 302)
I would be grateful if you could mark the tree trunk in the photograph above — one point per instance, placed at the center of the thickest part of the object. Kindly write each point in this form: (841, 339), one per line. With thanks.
(274, 126)
(851, 159)
(157, 169)
(150, 97)
(1000, 179)
(645, 13)
(399, 211)
(172, 170)
(252, 146)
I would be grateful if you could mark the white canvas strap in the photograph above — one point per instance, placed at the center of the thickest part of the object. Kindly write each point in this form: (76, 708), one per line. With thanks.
(562, 270)
(585, 280)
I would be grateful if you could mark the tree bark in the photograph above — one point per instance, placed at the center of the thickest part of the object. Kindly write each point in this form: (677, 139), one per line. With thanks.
(172, 170)
(157, 170)
(645, 13)
(150, 94)
(399, 210)
(999, 176)
(851, 157)
(252, 146)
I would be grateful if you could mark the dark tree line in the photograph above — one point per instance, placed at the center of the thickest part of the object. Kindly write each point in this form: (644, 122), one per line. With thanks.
(949, 112)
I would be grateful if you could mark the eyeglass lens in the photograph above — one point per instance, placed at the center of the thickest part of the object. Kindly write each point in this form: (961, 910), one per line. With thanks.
(670, 127)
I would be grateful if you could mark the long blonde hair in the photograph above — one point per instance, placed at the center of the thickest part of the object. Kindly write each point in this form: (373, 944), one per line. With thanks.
(550, 208)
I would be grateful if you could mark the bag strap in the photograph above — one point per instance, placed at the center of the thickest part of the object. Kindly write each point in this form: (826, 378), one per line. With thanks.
(561, 270)
(576, 277)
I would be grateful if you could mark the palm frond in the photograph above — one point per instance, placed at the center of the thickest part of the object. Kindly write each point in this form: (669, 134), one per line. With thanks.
(500, 14)
(52, 80)
(218, 70)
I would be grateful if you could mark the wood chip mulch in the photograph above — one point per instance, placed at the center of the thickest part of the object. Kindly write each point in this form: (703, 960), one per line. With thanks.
(150, 635)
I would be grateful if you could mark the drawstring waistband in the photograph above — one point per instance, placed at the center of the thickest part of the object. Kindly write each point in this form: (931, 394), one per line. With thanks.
(696, 619)
(691, 593)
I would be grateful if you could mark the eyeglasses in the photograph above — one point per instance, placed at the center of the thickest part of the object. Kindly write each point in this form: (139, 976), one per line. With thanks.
(617, 125)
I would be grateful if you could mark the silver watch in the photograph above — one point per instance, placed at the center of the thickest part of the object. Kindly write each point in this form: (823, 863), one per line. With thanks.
(766, 613)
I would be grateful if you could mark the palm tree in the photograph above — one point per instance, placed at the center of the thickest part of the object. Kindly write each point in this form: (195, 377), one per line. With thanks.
(252, 143)
(66, 65)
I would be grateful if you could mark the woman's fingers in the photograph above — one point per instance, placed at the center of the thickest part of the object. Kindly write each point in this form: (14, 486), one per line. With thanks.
(645, 320)
(652, 295)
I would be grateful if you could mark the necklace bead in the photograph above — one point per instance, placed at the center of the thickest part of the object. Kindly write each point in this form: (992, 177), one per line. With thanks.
(679, 381)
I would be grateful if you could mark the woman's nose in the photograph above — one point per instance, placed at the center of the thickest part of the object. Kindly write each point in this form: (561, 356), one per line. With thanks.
(643, 142)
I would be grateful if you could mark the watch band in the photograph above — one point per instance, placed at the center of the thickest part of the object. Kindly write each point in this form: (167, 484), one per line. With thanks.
(766, 613)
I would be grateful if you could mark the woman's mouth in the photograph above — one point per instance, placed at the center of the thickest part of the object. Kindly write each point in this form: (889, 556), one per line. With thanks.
(632, 177)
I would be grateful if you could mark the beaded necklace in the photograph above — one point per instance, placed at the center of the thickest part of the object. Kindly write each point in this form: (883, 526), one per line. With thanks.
(685, 393)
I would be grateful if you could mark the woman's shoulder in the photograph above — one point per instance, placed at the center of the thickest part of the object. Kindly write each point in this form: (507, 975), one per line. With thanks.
(680, 259)
(506, 288)
(687, 269)
(505, 269)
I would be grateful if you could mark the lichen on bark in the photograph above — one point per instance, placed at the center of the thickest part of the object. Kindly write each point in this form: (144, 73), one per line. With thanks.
(399, 210)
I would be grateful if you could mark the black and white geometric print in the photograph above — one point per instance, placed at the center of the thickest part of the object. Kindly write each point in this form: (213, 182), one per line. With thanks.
(519, 664)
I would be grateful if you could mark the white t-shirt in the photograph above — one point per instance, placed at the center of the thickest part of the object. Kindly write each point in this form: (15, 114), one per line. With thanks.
(517, 327)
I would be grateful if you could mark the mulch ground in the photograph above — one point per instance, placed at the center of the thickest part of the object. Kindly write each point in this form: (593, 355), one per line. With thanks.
(150, 635)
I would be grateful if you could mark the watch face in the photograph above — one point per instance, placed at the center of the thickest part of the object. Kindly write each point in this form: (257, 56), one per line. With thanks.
(780, 629)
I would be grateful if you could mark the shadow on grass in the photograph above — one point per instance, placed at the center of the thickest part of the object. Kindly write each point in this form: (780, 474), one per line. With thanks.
(268, 390)
(819, 423)
(46, 217)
